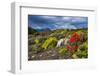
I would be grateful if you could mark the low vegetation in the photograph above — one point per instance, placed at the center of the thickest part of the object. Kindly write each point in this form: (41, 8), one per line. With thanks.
(43, 45)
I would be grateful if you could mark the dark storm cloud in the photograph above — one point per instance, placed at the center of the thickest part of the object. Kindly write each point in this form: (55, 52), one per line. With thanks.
(57, 22)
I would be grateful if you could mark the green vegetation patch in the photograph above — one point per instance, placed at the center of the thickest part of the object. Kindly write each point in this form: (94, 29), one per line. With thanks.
(50, 43)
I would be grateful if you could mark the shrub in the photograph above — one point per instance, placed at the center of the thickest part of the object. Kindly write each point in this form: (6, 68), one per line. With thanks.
(35, 48)
(73, 42)
(82, 51)
(72, 49)
(84, 46)
(74, 56)
(80, 54)
(31, 41)
(37, 41)
(50, 43)
(64, 31)
(31, 48)
(62, 51)
(79, 32)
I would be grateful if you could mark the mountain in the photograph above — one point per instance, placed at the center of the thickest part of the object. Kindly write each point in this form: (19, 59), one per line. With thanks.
(43, 30)
(31, 30)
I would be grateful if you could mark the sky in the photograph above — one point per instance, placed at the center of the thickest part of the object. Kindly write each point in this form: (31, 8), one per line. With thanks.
(57, 22)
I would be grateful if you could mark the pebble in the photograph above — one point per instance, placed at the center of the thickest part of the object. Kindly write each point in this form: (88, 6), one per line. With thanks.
(53, 55)
(33, 56)
(40, 55)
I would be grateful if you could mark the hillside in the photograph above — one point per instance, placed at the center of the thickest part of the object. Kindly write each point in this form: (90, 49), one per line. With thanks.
(42, 45)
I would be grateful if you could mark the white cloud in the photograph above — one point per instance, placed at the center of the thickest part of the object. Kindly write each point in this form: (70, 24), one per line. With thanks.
(64, 26)
(79, 19)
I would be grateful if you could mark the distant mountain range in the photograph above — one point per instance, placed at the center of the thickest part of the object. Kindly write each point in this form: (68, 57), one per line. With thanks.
(32, 30)
(43, 30)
